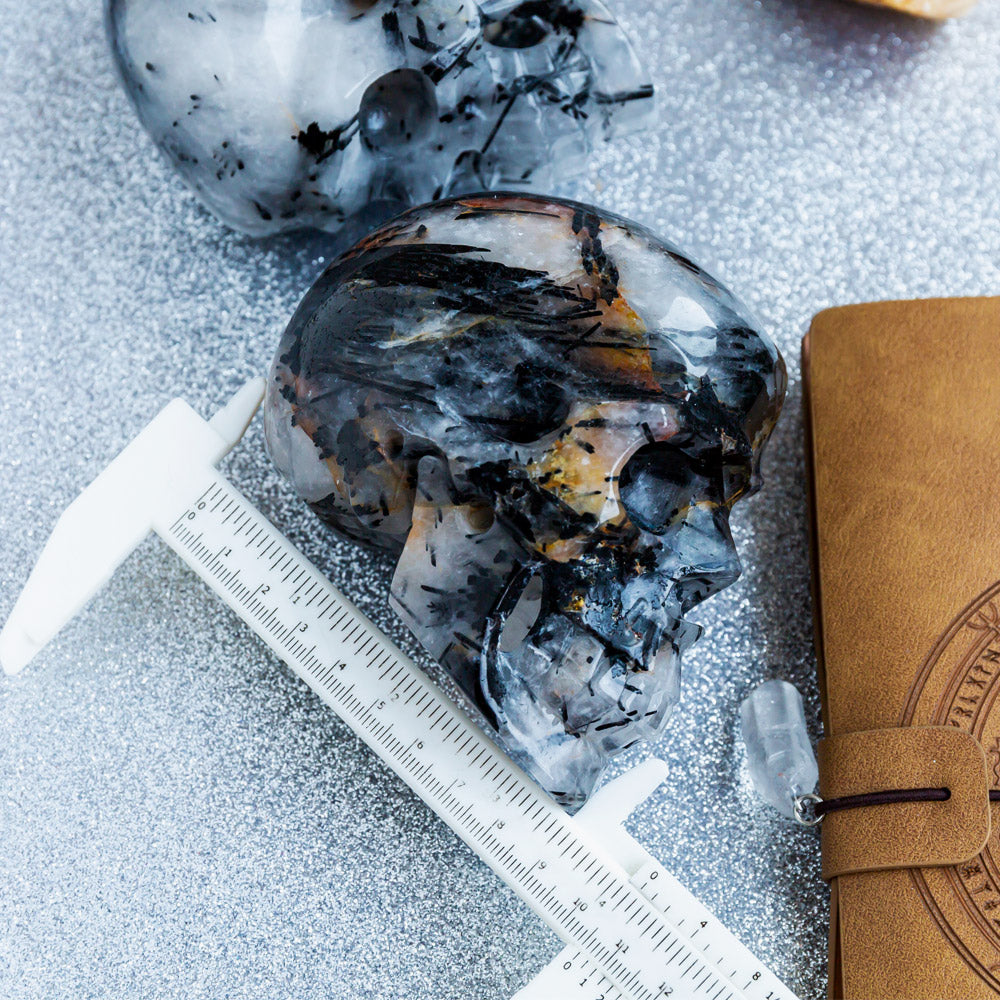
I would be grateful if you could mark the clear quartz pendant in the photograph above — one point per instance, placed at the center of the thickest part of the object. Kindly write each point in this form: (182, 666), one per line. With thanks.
(782, 763)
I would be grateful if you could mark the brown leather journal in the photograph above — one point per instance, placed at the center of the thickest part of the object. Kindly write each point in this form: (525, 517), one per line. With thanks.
(903, 419)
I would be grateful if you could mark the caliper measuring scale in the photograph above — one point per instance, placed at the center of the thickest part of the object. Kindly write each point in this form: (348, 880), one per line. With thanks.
(631, 930)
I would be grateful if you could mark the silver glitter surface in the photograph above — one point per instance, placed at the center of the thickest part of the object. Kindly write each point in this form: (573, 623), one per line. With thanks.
(181, 818)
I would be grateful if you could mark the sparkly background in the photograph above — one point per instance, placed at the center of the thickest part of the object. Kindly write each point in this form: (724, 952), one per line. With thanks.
(181, 818)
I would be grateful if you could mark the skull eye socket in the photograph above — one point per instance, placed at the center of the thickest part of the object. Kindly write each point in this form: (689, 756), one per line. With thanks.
(658, 481)
(522, 405)
(661, 481)
(396, 109)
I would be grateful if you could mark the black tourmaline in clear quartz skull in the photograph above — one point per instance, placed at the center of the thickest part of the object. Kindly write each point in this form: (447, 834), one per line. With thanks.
(548, 413)
(341, 113)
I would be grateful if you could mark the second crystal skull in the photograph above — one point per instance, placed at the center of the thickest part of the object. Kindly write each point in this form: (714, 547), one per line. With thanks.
(334, 113)
(548, 413)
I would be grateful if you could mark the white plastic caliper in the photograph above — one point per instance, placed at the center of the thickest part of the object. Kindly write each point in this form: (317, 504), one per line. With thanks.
(631, 930)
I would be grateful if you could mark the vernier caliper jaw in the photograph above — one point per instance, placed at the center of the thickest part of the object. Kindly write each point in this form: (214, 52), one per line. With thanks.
(109, 519)
(609, 807)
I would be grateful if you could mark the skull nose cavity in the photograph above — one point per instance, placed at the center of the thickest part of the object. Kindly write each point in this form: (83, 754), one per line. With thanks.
(656, 485)
(398, 108)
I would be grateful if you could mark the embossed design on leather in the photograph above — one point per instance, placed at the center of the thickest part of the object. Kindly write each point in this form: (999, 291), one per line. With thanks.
(958, 685)
(994, 756)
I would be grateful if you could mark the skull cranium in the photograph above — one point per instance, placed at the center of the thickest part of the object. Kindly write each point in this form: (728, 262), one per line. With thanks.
(549, 413)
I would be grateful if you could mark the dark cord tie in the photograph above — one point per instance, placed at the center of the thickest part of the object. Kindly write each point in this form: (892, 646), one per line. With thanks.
(890, 798)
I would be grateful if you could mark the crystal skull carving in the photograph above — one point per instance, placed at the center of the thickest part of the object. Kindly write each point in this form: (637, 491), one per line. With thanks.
(548, 413)
(331, 113)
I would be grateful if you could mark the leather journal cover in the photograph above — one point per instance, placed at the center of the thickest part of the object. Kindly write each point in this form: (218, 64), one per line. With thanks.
(903, 424)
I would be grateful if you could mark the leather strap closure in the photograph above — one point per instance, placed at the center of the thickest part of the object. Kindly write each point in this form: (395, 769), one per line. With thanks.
(919, 834)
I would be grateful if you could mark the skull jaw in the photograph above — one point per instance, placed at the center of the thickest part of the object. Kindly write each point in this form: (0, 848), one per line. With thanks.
(566, 702)
(562, 697)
